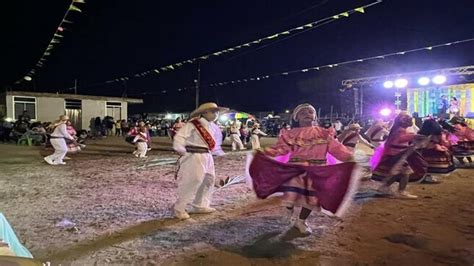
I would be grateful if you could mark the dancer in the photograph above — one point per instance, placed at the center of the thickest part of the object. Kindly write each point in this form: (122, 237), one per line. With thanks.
(454, 107)
(58, 141)
(303, 178)
(464, 145)
(235, 137)
(351, 137)
(437, 154)
(73, 146)
(244, 134)
(178, 124)
(196, 142)
(141, 142)
(255, 136)
(400, 162)
(377, 133)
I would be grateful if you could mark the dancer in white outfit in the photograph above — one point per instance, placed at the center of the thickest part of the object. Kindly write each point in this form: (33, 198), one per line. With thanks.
(141, 142)
(196, 142)
(58, 141)
(235, 137)
(255, 136)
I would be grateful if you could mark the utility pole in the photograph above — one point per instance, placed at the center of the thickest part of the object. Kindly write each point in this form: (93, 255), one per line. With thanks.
(75, 86)
(198, 82)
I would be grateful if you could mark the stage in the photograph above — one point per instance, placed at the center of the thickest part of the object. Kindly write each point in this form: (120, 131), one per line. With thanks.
(425, 100)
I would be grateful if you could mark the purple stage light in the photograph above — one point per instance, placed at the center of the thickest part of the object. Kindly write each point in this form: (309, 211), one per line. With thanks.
(385, 112)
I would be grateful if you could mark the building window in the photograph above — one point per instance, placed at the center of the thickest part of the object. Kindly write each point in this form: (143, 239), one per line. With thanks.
(114, 109)
(73, 104)
(22, 105)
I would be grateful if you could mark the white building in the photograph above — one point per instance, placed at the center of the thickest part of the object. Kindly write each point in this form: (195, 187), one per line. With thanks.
(47, 107)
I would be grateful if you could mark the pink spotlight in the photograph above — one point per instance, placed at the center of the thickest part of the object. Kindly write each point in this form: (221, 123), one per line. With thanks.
(385, 112)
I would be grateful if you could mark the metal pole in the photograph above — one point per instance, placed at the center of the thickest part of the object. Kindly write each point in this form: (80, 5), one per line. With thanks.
(75, 86)
(198, 82)
(331, 113)
(361, 102)
(356, 101)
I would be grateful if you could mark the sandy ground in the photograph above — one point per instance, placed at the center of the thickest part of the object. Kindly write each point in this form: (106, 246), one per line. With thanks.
(121, 208)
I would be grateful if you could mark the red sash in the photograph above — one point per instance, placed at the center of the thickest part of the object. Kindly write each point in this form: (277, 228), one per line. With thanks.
(206, 136)
(349, 138)
(377, 130)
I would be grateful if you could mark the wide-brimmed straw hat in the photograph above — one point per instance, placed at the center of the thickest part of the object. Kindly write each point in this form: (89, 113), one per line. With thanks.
(207, 107)
(354, 126)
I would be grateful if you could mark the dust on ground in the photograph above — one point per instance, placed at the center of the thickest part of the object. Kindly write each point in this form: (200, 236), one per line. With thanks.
(121, 209)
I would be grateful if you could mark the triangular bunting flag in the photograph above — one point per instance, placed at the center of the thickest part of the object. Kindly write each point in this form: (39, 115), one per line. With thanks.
(79, 1)
(58, 35)
(335, 17)
(345, 14)
(67, 21)
(74, 8)
(360, 9)
(285, 32)
(272, 37)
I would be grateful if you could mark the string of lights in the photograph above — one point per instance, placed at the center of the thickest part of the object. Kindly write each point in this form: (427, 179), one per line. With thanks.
(270, 38)
(55, 40)
(316, 68)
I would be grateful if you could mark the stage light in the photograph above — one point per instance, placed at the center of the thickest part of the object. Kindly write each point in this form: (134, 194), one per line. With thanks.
(401, 83)
(385, 112)
(224, 118)
(287, 111)
(423, 81)
(388, 84)
(439, 79)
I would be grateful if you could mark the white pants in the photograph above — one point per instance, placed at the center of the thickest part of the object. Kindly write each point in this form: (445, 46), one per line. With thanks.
(60, 150)
(142, 148)
(236, 142)
(195, 180)
(255, 142)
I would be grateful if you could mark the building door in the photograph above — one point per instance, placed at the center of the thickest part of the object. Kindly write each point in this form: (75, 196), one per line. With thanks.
(114, 109)
(74, 111)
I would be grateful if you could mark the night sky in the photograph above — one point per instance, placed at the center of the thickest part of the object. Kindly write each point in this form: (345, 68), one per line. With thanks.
(118, 38)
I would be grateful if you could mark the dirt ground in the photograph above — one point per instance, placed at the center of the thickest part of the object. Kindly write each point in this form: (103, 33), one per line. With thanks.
(120, 206)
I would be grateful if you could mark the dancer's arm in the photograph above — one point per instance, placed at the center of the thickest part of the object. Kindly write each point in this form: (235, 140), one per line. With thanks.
(336, 149)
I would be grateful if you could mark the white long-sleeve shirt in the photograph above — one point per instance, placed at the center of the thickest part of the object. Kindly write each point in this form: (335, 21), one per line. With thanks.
(61, 132)
(258, 132)
(235, 130)
(188, 135)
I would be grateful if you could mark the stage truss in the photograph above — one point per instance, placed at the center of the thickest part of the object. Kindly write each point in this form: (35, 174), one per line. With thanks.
(456, 71)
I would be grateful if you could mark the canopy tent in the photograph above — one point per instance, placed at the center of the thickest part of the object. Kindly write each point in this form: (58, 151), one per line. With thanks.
(234, 114)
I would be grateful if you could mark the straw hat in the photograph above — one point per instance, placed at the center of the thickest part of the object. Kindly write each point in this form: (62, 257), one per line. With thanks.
(354, 126)
(207, 107)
